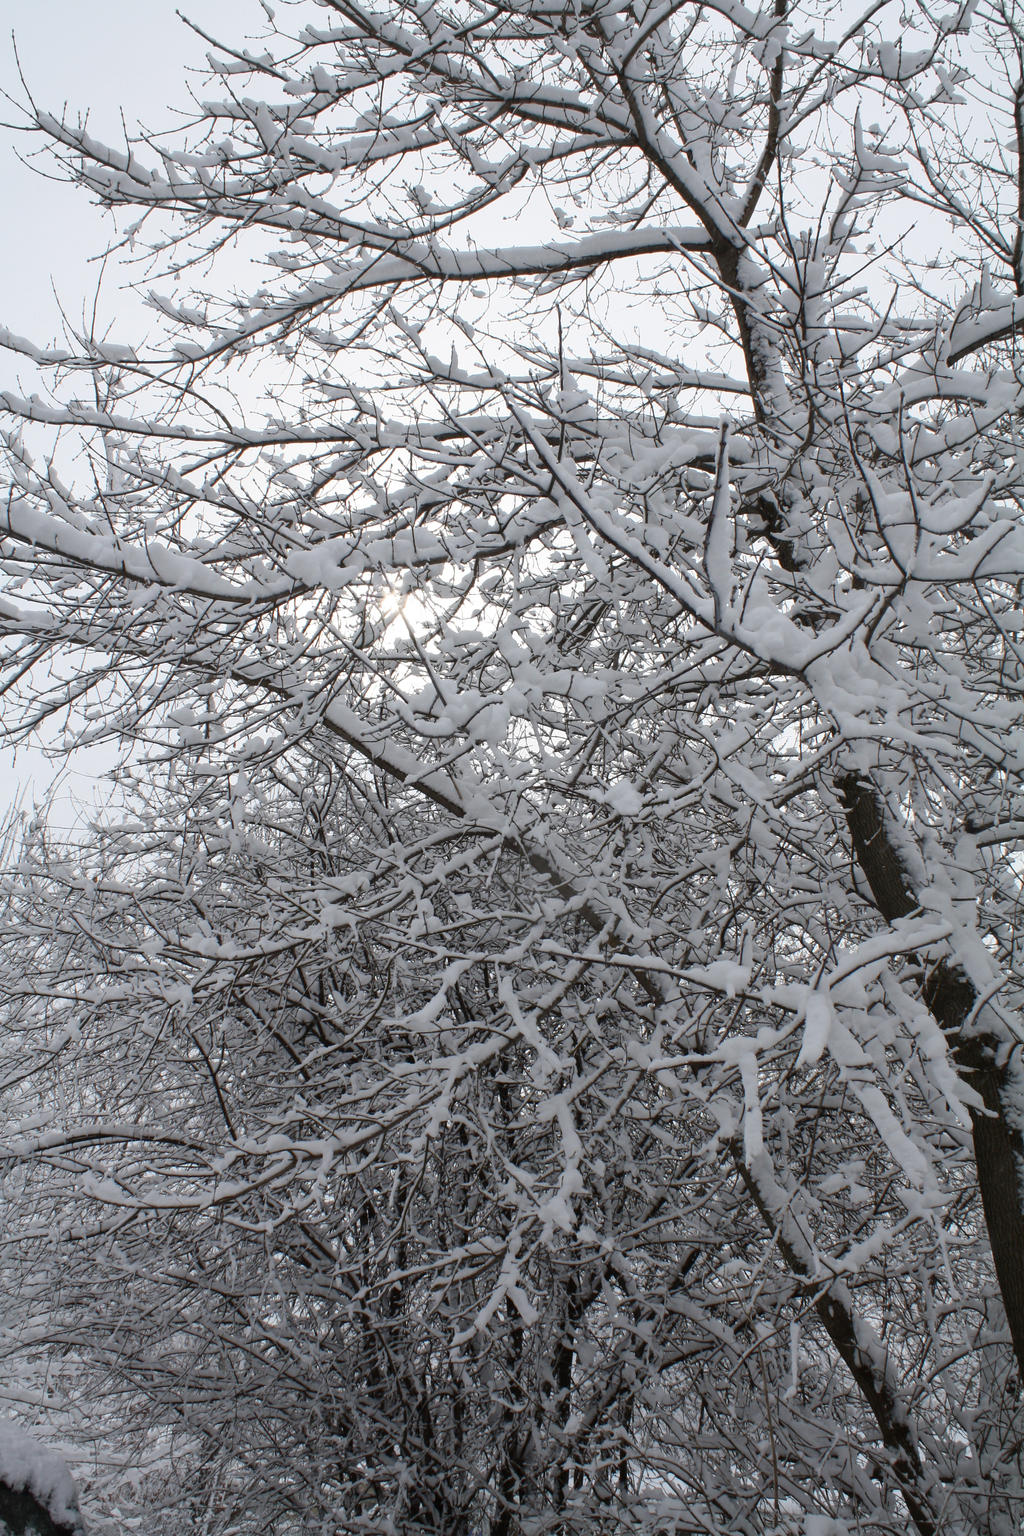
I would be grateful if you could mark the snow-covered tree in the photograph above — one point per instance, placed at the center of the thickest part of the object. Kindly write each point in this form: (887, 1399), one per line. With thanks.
(542, 1053)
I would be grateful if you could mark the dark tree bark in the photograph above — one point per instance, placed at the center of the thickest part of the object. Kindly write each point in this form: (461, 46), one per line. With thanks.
(21, 1514)
(982, 1058)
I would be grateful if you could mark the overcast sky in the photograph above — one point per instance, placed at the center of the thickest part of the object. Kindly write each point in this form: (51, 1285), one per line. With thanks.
(104, 57)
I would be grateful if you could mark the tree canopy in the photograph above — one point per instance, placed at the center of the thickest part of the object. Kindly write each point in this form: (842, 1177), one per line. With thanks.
(538, 1048)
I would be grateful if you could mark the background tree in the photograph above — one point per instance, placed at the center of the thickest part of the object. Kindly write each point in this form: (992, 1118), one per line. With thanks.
(633, 605)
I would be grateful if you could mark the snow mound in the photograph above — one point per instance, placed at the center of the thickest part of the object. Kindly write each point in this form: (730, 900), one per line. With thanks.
(26, 1466)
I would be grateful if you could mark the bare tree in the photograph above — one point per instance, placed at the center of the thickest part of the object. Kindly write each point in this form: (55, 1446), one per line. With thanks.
(608, 498)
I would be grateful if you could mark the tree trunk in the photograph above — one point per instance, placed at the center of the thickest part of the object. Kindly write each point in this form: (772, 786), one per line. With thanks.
(983, 1059)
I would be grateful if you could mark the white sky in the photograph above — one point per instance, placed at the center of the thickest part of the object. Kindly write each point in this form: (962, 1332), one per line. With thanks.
(104, 57)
